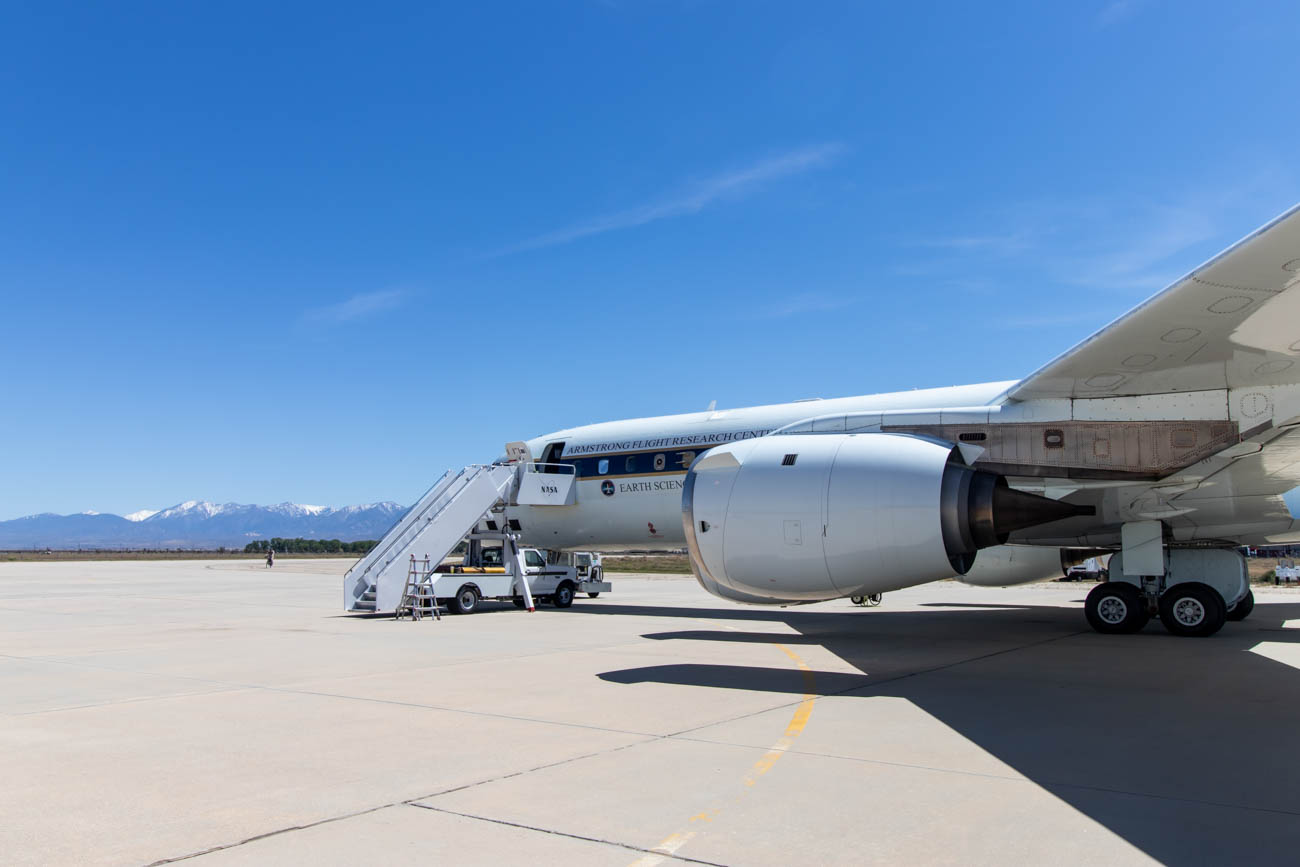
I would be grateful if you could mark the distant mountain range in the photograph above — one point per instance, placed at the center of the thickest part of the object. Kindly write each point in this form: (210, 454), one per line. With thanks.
(199, 524)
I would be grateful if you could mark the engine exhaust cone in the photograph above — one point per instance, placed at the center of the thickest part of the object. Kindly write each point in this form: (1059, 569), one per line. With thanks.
(1016, 510)
(990, 511)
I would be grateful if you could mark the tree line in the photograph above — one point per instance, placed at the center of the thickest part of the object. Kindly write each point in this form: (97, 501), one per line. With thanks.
(309, 546)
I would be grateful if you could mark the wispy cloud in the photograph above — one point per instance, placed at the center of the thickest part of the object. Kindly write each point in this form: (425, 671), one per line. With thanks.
(1117, 10)
(357, 307)
(1142, 259)
(802, 303)
(1073, 263)
(693, 199)
(1003, 244)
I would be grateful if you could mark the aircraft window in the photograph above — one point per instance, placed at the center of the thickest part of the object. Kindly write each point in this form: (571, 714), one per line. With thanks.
(602, 468)
(687, 458)
(629, 466)
(661, 461)
(1054, 438)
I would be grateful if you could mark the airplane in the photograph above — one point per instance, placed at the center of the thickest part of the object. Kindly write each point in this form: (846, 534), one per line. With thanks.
(1169, 437)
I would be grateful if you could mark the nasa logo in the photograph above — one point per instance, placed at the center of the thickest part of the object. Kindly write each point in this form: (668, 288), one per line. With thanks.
(607, 488)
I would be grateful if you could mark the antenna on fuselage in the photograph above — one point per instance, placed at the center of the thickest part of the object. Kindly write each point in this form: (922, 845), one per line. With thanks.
(713, 404)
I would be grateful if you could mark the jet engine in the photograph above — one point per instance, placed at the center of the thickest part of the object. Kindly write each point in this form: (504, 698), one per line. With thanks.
(806, 517)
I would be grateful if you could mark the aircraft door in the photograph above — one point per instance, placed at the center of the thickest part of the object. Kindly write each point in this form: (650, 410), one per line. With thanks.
(551, 456)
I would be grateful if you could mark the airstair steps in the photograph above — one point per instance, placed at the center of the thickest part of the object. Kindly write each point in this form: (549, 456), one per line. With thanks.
(367, 600)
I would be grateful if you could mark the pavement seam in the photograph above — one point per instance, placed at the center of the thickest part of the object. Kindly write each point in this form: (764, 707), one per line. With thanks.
(657, 852)
(412, 802)
(226, 686)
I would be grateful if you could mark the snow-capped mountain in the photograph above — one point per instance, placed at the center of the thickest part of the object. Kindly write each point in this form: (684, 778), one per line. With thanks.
(200, 524)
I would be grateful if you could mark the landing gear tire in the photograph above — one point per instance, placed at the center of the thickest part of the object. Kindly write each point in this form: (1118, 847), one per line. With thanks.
(873, 599)
(1116, 608)
(1242, 609)
(465, 601)
(563, 596)
(1193, 609)
(593, 595)
(858, 600)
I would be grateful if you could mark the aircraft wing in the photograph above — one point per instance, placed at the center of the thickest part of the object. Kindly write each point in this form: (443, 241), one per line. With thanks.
(1233, 322)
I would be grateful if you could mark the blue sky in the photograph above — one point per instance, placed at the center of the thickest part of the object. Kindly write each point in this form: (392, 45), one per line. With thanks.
(303, 252)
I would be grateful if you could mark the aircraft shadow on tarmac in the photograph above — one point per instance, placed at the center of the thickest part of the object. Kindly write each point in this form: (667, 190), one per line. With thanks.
(1183, 747)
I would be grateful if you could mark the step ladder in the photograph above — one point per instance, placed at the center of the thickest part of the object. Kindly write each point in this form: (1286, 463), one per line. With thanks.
(417, 596)
(436, 524)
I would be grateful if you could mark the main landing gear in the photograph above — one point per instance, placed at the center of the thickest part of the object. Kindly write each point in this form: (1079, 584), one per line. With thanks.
(1193, 590)
(1189, 608)
(871, 600)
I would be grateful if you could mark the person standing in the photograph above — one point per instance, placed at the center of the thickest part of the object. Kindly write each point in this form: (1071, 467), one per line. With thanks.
(270, 557)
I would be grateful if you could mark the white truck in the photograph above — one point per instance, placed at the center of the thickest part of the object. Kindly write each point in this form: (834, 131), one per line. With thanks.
(1286, 572)
(1091, 569)
(484, 573)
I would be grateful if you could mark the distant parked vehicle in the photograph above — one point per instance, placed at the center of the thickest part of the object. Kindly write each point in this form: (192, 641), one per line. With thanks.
(1089, 570)
(1286, 572)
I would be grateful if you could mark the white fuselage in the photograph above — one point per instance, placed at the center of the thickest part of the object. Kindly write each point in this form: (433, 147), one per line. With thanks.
(630, 472)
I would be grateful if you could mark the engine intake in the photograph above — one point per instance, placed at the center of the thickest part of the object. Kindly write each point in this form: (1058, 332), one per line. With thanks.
(799, 518)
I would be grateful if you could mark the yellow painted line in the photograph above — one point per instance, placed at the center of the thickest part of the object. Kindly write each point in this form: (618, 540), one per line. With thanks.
(670, 844)
(797, 722)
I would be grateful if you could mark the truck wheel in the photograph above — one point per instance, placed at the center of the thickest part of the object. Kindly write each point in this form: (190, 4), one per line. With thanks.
(465, 601)
(518, 600)
(1242, 609)
(563, 596)
(1192, 609)
(1115, 608)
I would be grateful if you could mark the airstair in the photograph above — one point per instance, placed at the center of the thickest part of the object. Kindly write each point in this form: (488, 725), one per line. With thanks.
(448, 511)
(434, 525)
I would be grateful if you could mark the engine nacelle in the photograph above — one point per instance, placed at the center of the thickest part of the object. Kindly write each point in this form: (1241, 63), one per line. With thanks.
(806, 517)
(1007, 565)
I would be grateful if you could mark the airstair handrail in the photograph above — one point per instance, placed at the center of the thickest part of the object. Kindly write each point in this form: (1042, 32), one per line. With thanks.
(375, 554)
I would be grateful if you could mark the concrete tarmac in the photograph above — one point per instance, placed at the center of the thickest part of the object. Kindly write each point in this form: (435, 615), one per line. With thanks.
(229, 714)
